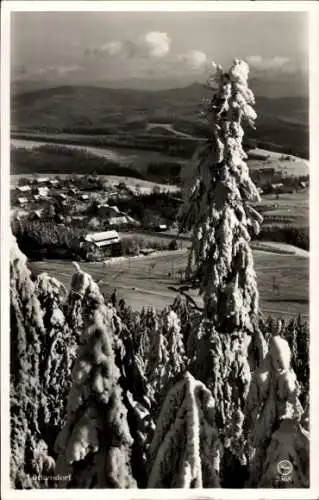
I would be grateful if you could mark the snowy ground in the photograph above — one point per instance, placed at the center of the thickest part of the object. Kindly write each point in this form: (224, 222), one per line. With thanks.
(140, 186)
(293, 166)
(277, 247)
(136, 185)
(283, 280)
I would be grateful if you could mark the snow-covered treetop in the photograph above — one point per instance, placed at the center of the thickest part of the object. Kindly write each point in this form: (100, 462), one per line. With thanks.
(217, 189)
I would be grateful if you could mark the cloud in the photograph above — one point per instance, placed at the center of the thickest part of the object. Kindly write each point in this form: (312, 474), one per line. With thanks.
(112, 48)
(62, 70)
(157, 43)
(153, 44)
(194, 59)
(49, 71)
(126, 49)
(59, 70)
(271, 63)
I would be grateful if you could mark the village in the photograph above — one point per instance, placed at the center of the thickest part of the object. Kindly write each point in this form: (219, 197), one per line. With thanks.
(67, 200)
(94, 217)
(87, 205)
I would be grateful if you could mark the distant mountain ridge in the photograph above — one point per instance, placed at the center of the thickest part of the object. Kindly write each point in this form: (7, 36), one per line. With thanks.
(263, 83)
(293, 109)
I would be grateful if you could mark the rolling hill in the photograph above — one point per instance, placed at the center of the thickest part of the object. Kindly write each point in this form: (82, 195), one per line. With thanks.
(287, 107)
(282, 122)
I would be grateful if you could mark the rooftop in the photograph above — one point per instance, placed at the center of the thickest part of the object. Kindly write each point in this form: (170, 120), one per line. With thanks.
(23, 189)
(103, 238)
(22, 200)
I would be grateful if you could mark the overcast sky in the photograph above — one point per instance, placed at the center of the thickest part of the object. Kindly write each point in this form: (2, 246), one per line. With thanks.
(95, 46)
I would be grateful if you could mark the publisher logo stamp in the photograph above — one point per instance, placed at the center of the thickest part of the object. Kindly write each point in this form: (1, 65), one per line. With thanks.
(284, 469)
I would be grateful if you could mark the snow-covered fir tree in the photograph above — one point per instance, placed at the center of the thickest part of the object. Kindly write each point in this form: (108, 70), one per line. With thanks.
(217, 192)
(185, 450)
(57, 354)
(273, 421)
(94, 445)
(30, 457)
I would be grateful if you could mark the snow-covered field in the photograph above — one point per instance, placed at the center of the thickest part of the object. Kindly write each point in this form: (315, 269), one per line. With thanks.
(140, 186)
(278, 247)
(293, 166)
(136, 185)
(148, 280)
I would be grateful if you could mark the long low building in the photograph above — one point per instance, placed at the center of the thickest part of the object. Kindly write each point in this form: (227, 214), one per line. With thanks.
(97, 246)
(103, 239)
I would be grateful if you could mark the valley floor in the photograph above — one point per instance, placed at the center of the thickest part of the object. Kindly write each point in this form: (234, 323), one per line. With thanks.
(282, 280)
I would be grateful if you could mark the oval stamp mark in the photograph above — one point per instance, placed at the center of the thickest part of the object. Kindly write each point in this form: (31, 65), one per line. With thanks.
(284, 468)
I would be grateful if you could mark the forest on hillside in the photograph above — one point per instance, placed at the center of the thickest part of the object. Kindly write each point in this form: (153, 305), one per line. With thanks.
(96, 116)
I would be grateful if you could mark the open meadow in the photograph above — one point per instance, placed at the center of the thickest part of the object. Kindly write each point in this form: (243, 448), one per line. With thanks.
(282, 280)
(289, 208)
(137, 186)
(286, 165)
